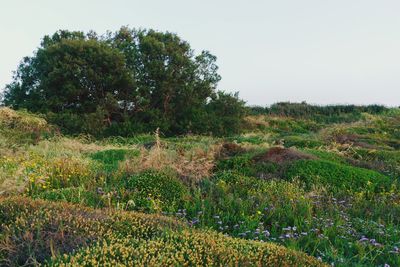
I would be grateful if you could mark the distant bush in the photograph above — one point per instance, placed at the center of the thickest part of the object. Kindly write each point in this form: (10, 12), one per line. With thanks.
(327, 114)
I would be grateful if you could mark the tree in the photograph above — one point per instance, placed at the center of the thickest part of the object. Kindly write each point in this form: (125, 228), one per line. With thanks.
(225, 114)
(173, 84)
(71, 75)
(127, 81)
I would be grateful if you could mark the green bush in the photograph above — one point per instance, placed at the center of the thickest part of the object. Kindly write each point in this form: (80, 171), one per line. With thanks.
(337, 176)
(156, 189)
(241, 164)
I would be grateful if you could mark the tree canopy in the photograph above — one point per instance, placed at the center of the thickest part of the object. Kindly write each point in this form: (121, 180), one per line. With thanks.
(124, 82)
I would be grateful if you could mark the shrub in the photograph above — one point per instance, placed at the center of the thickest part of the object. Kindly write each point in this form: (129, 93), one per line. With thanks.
(338, 176)
(21, 127)
(59, 234)
(242, 164)
(187, 248)
(165, 190)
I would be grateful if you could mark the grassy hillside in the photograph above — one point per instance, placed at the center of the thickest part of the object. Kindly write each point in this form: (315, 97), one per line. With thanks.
(291, 190)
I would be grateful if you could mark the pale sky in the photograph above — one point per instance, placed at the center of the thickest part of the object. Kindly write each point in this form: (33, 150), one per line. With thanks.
(319, 51)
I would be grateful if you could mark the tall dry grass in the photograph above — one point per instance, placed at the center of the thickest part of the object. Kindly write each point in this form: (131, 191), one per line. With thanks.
(190, 165)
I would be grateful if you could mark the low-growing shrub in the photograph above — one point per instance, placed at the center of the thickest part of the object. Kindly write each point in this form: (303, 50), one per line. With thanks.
(150, 186)
(242, 164)
(21, 127)
(34, 232)
(337, 176)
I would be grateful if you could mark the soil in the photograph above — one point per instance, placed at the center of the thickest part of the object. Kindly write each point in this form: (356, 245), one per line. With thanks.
(281, 155)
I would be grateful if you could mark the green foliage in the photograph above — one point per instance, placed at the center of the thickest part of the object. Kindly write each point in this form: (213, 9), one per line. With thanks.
(290, 126)
(77, 195)
(234, 203)
(301, 141)
(252, 139)
(110, 158)
(155, 190)
(324, 206)
(325, 114)
(130, 81)
(325, 155)
(337, 176)
(225, 113)
(242, 164)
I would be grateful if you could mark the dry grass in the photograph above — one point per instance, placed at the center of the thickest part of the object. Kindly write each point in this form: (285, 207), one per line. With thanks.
(255, 122)
(190, 165)
(24, 121)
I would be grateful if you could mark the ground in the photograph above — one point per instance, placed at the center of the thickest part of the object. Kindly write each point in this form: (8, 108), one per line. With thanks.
(288, 191)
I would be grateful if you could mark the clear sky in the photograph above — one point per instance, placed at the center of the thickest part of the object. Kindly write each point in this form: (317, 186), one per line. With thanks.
(324, 52)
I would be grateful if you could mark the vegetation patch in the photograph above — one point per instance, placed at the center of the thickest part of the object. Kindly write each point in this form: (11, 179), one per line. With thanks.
(111, 158)
(338, 176)
(35, 232)
(157, 190)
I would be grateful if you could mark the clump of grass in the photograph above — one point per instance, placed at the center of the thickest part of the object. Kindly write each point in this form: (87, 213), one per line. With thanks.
(191, 165)
(21, 127)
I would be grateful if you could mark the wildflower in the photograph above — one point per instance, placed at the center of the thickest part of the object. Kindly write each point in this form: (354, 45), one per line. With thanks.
(266, 233)
(363, 239)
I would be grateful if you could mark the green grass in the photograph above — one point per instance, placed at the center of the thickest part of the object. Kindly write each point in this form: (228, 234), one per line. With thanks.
(111, 158)
(78, 200)
(337, 176)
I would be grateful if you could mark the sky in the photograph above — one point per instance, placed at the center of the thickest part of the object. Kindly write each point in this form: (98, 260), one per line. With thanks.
(321, 52)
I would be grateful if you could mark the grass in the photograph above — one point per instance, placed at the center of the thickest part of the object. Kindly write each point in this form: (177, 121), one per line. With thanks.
(289, 191)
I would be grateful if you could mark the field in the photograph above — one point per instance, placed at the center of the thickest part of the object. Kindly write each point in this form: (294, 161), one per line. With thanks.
(289, 191)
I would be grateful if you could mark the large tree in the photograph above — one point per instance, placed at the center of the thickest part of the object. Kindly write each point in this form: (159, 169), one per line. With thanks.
(129, 80)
